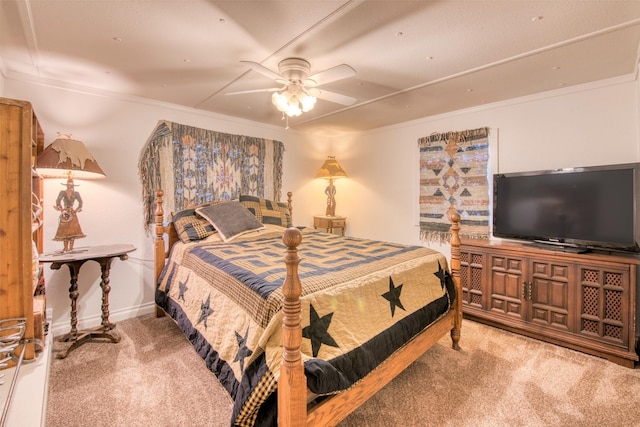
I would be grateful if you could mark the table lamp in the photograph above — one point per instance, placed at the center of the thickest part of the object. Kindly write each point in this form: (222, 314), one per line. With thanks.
(331, 170)
(68, 158)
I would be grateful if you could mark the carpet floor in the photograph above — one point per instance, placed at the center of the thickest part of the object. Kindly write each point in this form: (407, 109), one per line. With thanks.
(154, 378)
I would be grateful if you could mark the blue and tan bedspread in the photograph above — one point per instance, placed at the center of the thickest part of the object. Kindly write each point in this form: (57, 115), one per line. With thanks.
(361, 301)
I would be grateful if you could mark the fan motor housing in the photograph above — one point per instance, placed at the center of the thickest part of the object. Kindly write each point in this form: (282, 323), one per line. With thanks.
(294, 69)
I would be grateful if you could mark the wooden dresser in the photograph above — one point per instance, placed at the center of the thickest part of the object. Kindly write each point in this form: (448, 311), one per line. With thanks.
(586, 302)
(21, 140)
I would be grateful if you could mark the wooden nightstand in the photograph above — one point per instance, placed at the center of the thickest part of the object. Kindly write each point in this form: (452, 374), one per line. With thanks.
(329, 223)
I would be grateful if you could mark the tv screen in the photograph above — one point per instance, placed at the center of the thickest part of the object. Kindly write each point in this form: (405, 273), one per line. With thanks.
(592, 207)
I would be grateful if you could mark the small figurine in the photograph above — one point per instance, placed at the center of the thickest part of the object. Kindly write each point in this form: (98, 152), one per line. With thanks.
(68, 225)
(330, 191)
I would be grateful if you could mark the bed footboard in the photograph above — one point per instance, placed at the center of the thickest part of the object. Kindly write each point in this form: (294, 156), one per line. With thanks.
(455, 275)
(292, 385)
(292, 389)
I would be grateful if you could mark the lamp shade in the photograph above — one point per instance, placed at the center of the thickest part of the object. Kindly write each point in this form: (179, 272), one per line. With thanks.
(65, 157)
(331, 169)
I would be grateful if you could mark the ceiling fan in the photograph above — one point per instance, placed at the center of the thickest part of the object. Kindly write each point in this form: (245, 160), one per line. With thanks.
(299, 88)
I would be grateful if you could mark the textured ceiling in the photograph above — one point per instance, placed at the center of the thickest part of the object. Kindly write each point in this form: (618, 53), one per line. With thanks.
(413, 58)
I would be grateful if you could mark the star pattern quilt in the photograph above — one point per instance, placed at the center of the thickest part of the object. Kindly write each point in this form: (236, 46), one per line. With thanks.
(361, 301)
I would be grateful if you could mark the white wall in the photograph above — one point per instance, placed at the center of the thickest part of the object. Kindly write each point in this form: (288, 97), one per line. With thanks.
(594, 124)
(115, 130)
(590, 125)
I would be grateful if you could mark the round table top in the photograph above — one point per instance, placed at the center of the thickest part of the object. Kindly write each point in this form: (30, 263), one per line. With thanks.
(87, 252)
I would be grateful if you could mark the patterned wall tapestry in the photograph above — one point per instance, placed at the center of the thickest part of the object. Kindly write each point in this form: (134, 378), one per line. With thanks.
(453, 177)
(193, 166)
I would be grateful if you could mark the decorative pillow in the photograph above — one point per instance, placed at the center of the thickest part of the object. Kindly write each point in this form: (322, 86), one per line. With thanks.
(267, 211)
(231, 219)
(191, 227)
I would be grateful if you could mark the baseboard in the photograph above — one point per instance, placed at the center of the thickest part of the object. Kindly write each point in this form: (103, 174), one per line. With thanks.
(115, 316)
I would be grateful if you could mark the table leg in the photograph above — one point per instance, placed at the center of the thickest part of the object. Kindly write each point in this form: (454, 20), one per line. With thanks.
(73, 295)
(74, 269)
(105, 265)
(105, 331)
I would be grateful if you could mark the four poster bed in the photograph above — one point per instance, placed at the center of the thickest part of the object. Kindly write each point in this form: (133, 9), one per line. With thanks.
(307, 340)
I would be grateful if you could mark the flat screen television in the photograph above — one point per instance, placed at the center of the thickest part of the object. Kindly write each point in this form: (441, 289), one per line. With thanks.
(576, 209)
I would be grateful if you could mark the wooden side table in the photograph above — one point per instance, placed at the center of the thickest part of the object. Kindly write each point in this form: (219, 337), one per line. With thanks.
(329, 223)
(103, 255)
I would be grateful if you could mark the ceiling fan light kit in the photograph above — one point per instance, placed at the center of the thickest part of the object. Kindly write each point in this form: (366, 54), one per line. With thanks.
(293, 100)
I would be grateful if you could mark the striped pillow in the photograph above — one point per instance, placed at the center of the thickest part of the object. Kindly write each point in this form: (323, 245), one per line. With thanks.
(267, 211)
(190, 226)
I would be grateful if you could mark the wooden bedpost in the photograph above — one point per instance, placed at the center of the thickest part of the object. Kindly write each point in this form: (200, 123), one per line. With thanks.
(292, 385)
(290, 204)
(158, 244)
(455, 274)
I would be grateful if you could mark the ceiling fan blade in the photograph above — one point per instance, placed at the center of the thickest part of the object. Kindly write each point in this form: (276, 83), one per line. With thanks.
(334, 97)
(259, 68)
(338, 72)
(271, 89)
